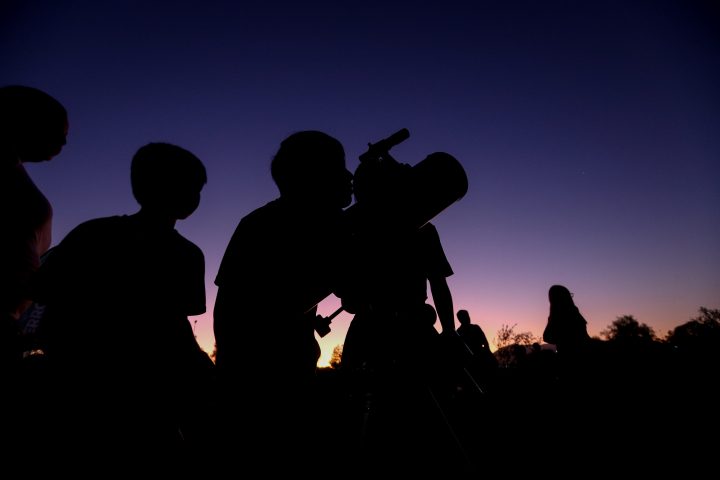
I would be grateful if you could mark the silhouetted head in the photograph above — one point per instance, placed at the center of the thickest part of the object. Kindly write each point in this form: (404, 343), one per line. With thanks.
(167, 178)
(310, 167)
(33, 125)
(463, 317)
(560, 295)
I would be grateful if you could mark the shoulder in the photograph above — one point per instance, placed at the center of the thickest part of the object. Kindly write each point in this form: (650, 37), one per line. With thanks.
(261, 224)
(261, 216)
(187, 247)
(270, 209)
(95, 227)
(104, 222)
(89, 244)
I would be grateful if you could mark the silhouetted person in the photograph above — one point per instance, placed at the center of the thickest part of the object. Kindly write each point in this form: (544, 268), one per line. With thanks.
(482, 359)
(472, 334)
(566, 327)
(118, 292)
(280, 263)
(584, 378)
(386, 352)
(631, 383)
(33, 128)
(392, 269)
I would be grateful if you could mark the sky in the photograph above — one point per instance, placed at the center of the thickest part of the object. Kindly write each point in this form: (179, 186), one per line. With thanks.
(588, 131)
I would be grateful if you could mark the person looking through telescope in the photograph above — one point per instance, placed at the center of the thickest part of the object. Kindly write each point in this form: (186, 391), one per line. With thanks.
(276, 268)
(387, 352)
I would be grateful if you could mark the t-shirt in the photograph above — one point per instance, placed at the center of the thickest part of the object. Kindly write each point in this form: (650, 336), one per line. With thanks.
(392, 272)
(117, 293)
(279, 264)
(118, 288)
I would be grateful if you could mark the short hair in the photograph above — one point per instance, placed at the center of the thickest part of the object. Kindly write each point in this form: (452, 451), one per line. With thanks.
(303, 158)
(158, 167)
(26, 109)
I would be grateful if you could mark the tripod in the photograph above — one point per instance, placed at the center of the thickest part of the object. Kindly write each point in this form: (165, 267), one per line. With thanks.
(404, 411)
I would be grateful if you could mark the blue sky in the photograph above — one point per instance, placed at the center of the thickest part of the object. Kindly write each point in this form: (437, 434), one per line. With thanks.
(588, 130)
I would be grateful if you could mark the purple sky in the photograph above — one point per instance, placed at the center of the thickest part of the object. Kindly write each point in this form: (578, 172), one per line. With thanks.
(589, 133)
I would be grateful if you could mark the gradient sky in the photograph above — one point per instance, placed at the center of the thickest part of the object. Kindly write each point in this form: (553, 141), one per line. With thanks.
(589, 130)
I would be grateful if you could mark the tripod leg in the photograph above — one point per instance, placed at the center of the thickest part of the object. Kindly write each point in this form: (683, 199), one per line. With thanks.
(467, 462)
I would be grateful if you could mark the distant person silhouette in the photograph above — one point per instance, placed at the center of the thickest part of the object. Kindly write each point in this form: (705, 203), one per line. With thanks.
(387, 354)
(472, 333)
(566, 327)
(474, 337)
(279, 264)
(118, 292)
(591, 374)
(33, 128)
(578, 366)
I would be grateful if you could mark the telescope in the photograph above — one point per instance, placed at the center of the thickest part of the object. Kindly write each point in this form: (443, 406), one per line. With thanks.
(412, 196)
(378, 150)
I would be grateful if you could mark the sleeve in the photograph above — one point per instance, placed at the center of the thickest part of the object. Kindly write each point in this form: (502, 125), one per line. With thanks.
(231, 264)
